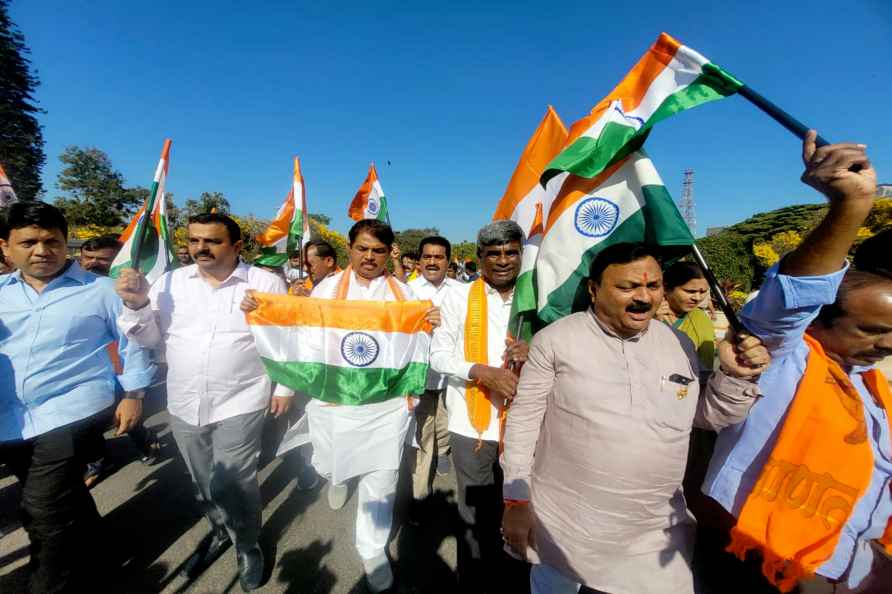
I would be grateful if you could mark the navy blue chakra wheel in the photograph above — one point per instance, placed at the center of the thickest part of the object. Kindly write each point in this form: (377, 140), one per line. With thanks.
(596, 217)
(359, 349)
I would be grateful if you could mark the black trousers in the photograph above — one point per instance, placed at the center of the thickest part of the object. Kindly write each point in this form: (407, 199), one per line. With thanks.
(483, 566)
(57, 510)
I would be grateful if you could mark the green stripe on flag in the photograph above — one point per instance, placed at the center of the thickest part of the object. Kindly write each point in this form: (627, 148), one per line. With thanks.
(587, 156)
(270, 257)
(657, 223)
(383, 213)
(348, 385)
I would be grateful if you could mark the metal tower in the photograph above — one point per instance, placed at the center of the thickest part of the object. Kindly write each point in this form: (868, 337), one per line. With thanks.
(687, 207)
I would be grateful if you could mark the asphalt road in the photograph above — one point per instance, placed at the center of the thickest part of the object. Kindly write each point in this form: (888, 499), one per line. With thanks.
(155, 526)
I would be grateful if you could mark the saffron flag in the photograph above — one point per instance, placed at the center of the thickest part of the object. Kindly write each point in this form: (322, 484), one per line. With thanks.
(157, 256)
(343, 351)
(369, 202)
(290, 228)
(7, 194)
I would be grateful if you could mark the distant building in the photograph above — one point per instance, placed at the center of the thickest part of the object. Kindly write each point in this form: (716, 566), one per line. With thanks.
(884, 190)
(710, 231)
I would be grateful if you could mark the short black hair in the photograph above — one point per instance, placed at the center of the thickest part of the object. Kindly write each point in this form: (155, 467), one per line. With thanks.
(215, 218)
(680, 273)
(411, 255)
(852, 281)
(28, 213)
(103, 242)
(436, 240)
(377, 229)
(620, 253)
(323, 248)
(875, 254)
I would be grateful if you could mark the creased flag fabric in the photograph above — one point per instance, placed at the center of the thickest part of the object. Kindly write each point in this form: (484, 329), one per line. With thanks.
(290, 228)
(669, 78)
(524, 305)
(343, 351)
(369, 202)
(626, 203)
(157, 255)
(524, 193)
(7, 194)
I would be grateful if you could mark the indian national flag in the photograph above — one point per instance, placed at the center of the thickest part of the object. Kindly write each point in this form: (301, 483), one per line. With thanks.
(369, 202)
(343, 351)
(156, 256)
(7, 194)
(290, 228)
(524, 202)
(669, 78)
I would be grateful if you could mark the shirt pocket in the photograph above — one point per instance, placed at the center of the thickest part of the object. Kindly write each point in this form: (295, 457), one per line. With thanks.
(674, 404)
(81, 329)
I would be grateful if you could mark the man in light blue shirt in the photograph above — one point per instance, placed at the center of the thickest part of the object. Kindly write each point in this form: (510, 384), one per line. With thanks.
(850, 314)
(57, 383)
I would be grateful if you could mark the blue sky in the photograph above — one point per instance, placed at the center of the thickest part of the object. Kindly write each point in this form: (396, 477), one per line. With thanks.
(449, 93)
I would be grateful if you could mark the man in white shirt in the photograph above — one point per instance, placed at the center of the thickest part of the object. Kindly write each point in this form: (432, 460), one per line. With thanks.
(475, 355)
(218, 391)
(432, 431)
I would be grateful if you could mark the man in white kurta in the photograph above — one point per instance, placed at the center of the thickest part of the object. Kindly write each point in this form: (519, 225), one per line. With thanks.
(364, 441)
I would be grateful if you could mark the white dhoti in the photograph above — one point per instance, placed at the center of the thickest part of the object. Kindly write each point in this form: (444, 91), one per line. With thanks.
(365, 441)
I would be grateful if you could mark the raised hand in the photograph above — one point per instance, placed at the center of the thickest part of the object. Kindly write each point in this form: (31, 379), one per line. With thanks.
(132, 288)
(842, 172)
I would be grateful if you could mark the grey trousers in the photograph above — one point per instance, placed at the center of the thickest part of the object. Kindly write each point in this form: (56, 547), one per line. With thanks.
(222, 459)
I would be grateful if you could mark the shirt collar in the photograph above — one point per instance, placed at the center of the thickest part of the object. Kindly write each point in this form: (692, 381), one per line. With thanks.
(74, 272)
(240, 272)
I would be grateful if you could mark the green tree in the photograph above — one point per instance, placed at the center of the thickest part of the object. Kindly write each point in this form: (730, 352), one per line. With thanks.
(464, 251)
(207, 202)
(320, 218)
(95, 191)
(409, 239)
(21, 137)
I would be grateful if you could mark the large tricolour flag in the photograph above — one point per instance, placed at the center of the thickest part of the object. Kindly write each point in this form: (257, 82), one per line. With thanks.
(605, 188)
(369, 202)
(343, 351)
(525, 202)
(156, 256)
(7, 194)
(290, 228)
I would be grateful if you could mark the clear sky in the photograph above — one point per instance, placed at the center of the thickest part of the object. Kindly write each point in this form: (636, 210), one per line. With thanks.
(448, 92)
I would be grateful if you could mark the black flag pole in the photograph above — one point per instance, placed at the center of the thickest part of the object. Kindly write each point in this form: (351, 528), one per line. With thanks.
(799, 130)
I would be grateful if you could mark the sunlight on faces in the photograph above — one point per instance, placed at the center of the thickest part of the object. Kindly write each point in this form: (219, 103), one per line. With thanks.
(434, 263)
(628, 295)
(500, 264)
(39, 253)
(211, 247)
(687, 297)
(862, 336)
(368, 255)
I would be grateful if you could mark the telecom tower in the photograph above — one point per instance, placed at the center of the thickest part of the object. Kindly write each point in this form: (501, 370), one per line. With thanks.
(687, 207)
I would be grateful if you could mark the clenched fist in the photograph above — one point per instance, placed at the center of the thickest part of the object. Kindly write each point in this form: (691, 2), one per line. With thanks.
(132, 288)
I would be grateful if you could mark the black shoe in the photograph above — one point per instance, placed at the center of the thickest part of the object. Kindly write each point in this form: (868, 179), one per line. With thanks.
(151, 450)
(307, 479)
(250, 569)
(207, 552)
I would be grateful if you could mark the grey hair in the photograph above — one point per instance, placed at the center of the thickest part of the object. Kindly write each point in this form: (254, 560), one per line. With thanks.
(498, 233)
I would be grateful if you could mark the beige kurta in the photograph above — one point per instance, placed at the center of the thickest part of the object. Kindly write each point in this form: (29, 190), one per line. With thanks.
(597, 439)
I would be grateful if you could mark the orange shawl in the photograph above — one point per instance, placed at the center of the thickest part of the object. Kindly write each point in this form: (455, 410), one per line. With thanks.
(476, 351)
(820, 467)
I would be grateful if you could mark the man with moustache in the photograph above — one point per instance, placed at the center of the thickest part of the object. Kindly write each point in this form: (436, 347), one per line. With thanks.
(473, 350)
(183, 256)
(807, 476)
(597, 437)
(320, 262)
(218, 392)
(98, 253)
(56, 391)
(432, 430)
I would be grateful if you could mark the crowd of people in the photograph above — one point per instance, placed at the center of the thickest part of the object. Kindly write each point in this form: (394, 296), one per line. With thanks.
(621, 451)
